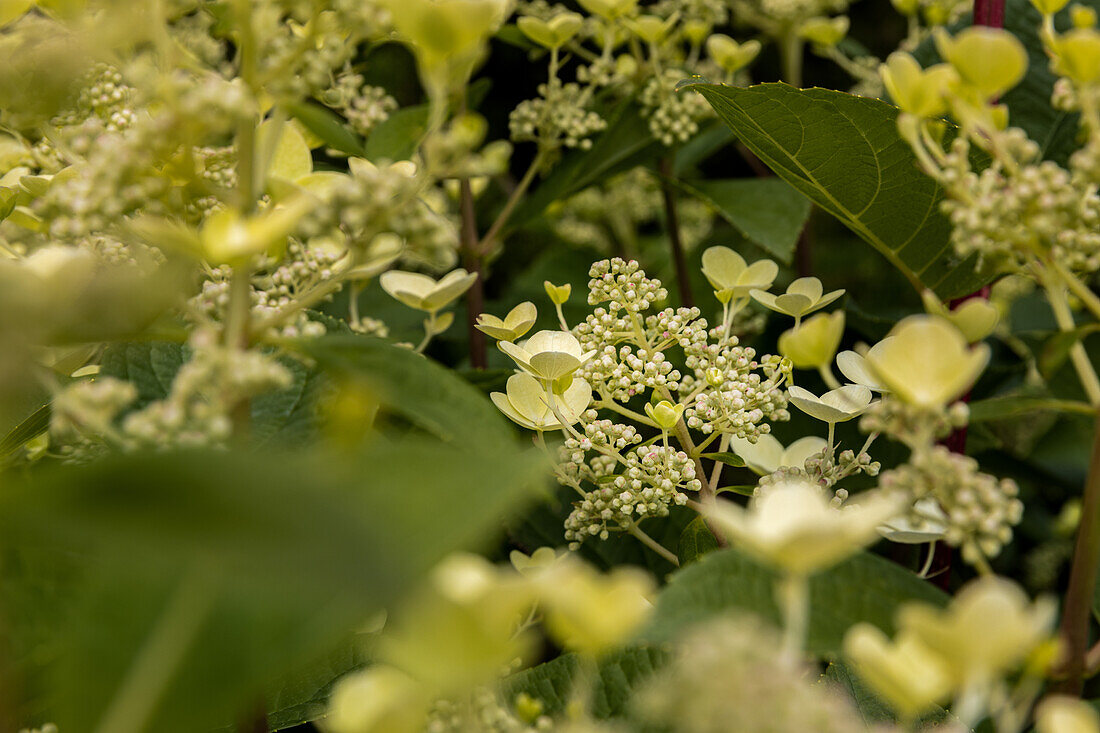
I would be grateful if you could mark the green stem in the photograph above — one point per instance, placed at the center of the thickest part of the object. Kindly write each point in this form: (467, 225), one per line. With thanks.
(1077, 605)
(791, 58)
(672, 228)
(653, 544)
(793, 594)
(827, 375)
(1078, 356)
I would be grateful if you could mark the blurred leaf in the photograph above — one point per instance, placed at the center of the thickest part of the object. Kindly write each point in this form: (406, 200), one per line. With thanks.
(36, 423)
(428, 394)
(870, 707)
(864, 588)
(290, 415)
(845, 154)
(150, 366)
(695, 541)
(620, 674)
(625, 143)
(328, 126)
(997, 408)
(211, 575)
(766, 210)
(398, 136)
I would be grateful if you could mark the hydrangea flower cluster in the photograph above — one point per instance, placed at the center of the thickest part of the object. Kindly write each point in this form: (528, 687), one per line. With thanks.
(695, 378)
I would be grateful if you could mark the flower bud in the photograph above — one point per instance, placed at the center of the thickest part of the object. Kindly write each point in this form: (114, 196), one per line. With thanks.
(665, 414)
(1082, 16)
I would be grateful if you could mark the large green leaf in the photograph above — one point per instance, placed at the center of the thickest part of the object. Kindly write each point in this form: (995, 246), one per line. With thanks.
(209, 576)
(433, 397)
(845, 154)
(620, 674)
(864, 588)
(766, 210)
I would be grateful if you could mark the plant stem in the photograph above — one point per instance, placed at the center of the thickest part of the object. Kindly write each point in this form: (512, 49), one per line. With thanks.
(791, 58)
(472, 259)
(672, 227)
(1056, 294)
(487, 242)
(793, 594)
(653, 544)
(1077, 604)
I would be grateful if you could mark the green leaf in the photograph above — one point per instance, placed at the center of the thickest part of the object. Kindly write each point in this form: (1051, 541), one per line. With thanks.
(428, 394)
(742, 489)
(328, 126)
(8, 199)
(398, 136)
(149, 366)
(870, 707)
(730, 459)
(1056, 350)
(998, 408)
(845, 154)
(213, 575)
(620, 674)
(864, 588)
(625, 143)
(36, 423)
(695, 541)
(768, 211)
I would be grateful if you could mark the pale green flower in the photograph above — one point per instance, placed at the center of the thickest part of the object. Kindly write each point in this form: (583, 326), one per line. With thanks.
(813, 343)
(989, 629)
(727, 271)
(767, 454)
(590, 612)
(665, 414)
(514, 325)
(825, 32)
(525, 402)
(918, 91)
(537, 561)
(804, 295)
(792, 525)
(558, 293)
(854, 367)
(989, 60)
(926, 361)
(424, 293)
(548, 355)
(975, 318)
(904, 672)
(379, 699)
(1065, 714)
(926, 522)
(732, 56)
(609, 9)
(837, 405)
(552, 33)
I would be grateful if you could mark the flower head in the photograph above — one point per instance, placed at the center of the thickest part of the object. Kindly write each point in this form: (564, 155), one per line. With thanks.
(548, 355)
(804, 295)
(793, 526)
(909, 675)
(514, 325)
(525, 402)
(422, 292)
(988, 630)
(926, 361)
(728, 272)
(837, 405)
(767, 454)
(989, 60)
